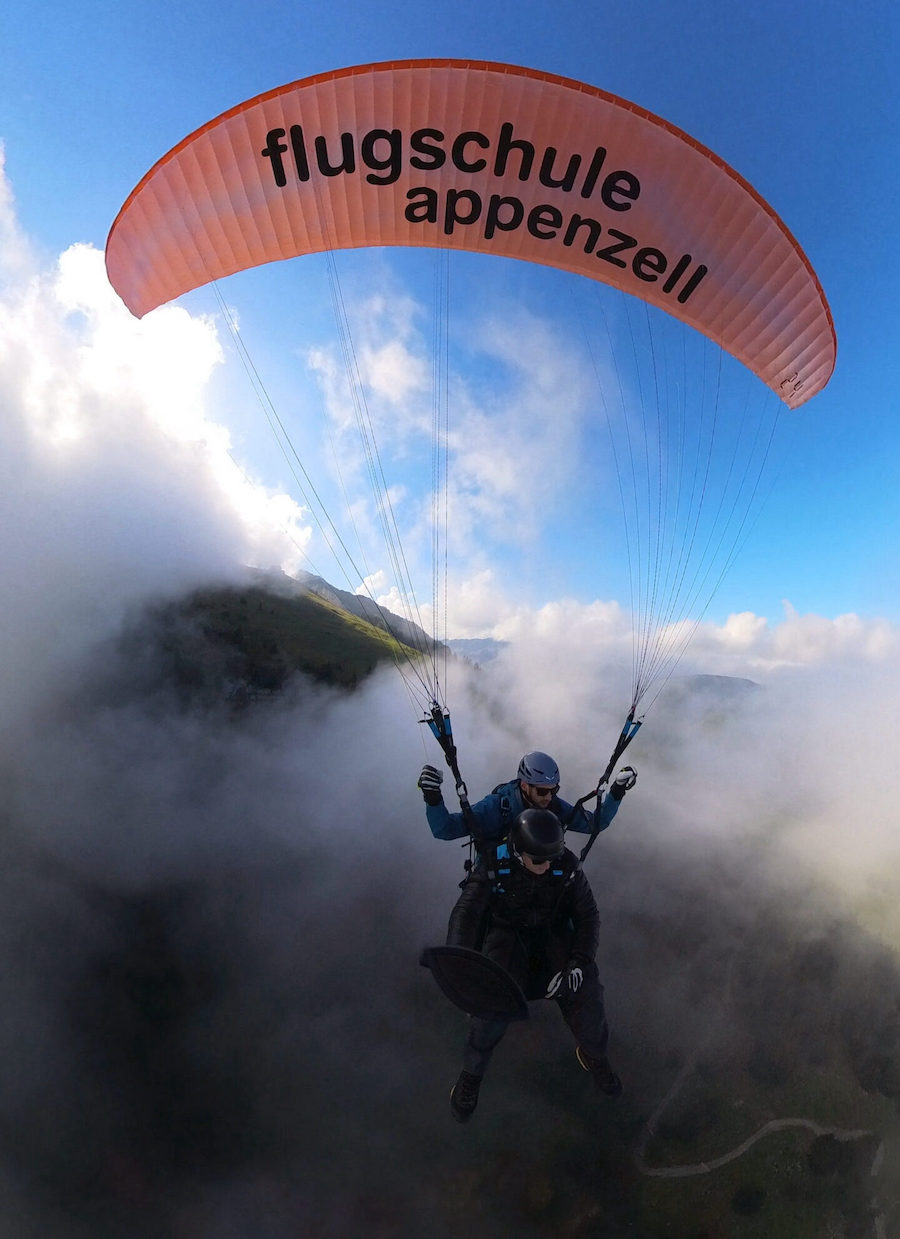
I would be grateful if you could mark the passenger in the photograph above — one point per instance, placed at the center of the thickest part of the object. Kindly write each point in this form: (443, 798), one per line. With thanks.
(538, 920)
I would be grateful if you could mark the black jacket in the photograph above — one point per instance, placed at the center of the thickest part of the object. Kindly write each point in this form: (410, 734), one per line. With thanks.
(559, 900)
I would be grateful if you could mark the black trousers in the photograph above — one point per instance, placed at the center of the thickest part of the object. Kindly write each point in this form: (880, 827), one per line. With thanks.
(533, 958)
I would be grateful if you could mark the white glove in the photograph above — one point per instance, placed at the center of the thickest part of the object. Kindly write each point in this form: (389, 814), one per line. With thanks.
(626, 778)
(623, 782)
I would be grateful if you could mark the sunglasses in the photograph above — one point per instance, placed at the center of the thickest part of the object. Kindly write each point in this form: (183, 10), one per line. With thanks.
(543, 860)
(544, 791)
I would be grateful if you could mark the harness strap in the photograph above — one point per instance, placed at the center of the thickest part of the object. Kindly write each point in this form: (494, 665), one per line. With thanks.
(629, 731)
(438, 721)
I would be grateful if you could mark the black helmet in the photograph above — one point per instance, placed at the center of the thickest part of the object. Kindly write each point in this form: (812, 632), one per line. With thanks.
(539, 769)
(538, 833)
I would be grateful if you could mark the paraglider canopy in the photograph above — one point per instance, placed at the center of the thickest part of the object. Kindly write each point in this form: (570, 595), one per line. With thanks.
(486, 157)
(512, 162)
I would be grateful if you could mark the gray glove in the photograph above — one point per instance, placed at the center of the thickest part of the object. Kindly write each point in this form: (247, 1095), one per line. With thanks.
(623, 782)
(569, 979)
(429, 784)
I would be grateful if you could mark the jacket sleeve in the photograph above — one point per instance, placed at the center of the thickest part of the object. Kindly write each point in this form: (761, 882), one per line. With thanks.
(585, 822)
(447, 825)
(585, 918)
(470, 911)
(443, 823)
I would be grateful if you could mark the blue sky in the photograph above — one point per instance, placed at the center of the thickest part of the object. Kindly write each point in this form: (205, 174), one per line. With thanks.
(801, 99)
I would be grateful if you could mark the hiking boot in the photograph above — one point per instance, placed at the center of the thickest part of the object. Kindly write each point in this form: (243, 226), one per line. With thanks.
(605, 1079)
(464, 1096)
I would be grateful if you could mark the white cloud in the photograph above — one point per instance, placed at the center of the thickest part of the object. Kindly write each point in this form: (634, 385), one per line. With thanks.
(116, 483)
(745, 644)
(513, 434)
(759, 645)
(477, 606)
(16, 258)
(816, 639)
(515, 439)
(393, 373)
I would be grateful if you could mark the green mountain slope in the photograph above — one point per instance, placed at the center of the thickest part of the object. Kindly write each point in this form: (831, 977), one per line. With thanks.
(254, 640)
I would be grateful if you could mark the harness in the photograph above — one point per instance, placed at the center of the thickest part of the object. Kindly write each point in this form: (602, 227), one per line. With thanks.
(503, 870)
(506, 813)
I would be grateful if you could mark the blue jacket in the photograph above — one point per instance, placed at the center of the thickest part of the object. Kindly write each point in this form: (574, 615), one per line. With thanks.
(497, 812)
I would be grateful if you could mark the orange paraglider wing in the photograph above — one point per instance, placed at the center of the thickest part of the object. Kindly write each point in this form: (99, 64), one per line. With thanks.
(487, 157)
